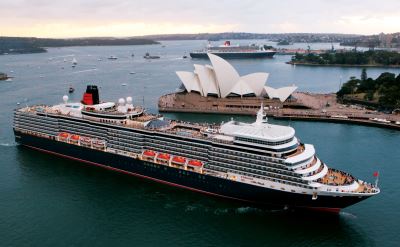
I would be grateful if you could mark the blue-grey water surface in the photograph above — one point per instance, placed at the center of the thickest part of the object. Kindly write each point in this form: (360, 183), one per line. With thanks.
(49, 201)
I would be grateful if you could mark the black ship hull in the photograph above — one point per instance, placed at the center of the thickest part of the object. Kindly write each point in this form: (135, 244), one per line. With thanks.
(207, 184)
(234, 54)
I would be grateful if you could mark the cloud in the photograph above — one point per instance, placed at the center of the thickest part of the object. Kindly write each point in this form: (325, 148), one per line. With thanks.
(139, 17)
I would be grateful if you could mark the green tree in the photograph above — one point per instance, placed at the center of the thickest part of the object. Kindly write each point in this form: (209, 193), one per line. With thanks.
(364, 74)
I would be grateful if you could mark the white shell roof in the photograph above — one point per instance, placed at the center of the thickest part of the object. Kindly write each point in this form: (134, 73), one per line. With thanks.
(281, 93)
(190, 80)
(226, 75)
(222, 79)
(207, 79)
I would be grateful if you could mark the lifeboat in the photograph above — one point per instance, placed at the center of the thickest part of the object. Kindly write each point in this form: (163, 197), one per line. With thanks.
(149, 153)
(75, 137)
(195, 163)
(63, 135)
(163, 156)
(179, 159)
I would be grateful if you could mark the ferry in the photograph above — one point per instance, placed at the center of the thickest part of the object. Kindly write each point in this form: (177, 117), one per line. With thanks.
(234, 51)
(255, 163)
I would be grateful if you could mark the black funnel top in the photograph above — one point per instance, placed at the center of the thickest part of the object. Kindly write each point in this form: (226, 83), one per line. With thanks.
(94, 91)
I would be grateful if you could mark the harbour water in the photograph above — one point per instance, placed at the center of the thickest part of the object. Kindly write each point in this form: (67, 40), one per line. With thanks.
(48, 201)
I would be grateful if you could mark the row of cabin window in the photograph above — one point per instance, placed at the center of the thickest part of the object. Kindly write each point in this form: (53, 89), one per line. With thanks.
(122, 144)
(262, 177)
(82, 132)
(125, 148)
(279, 175)
(178, 151)
(130, 139)
(260, 167)
(117, 142)
(37, 127)
(123, 133)
(38, 118)
(24, 120)
(103, 131)
(186, 146)
(247, 160)
(267, 143)
(173, 140)
(35, 123)
(244, 154)
(77, 126)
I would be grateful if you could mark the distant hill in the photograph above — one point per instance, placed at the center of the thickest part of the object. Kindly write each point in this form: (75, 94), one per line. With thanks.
(290, 37)
(390, 40)
(17, 45)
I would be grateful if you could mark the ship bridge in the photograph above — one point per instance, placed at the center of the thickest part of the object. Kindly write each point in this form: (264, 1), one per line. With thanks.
(281, 139)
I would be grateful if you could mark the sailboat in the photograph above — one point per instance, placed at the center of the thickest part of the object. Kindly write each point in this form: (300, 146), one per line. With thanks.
(74, 62)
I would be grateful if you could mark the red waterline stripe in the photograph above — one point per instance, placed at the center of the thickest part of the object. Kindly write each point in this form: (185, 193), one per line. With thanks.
(328, 210)
(136, 174)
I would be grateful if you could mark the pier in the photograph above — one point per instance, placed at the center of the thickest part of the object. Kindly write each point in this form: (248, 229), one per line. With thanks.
(302, 106)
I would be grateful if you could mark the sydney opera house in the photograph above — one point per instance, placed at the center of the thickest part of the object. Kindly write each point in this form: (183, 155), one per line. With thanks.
(219, 88)
(222, 80)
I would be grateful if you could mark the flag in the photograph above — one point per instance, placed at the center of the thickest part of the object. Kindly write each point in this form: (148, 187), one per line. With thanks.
(376, 174)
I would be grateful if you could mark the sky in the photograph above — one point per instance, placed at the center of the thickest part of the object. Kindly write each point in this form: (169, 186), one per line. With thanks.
(122, 18)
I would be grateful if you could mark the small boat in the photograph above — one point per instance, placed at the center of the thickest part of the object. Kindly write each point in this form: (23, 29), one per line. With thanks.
(71, 89)
(184, 56)
(132, 55)
(74, 62)
(147, 56)
(99, 59)
(132, 72)
(112, 58)
(123, 84)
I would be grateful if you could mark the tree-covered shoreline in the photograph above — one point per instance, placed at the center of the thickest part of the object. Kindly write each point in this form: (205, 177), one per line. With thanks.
(351, 58)
(18, 45)
(383, 91)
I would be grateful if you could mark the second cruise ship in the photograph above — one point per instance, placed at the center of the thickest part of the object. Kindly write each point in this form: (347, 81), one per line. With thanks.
(234, 51)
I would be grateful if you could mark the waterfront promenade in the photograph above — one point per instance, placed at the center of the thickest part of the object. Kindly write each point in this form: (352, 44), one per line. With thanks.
(316, 107)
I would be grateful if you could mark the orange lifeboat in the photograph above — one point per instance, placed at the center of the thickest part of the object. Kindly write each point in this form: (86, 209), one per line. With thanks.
(163, 156)
(75, 137)
(179, 159)
(149, 153)
(195, 163)
(63, 135)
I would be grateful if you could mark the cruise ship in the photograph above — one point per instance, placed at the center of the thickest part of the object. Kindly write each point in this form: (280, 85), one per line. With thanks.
(234, 51)
(256, 163)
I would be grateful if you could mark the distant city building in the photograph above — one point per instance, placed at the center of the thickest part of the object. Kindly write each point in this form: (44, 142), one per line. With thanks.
(222, 80)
